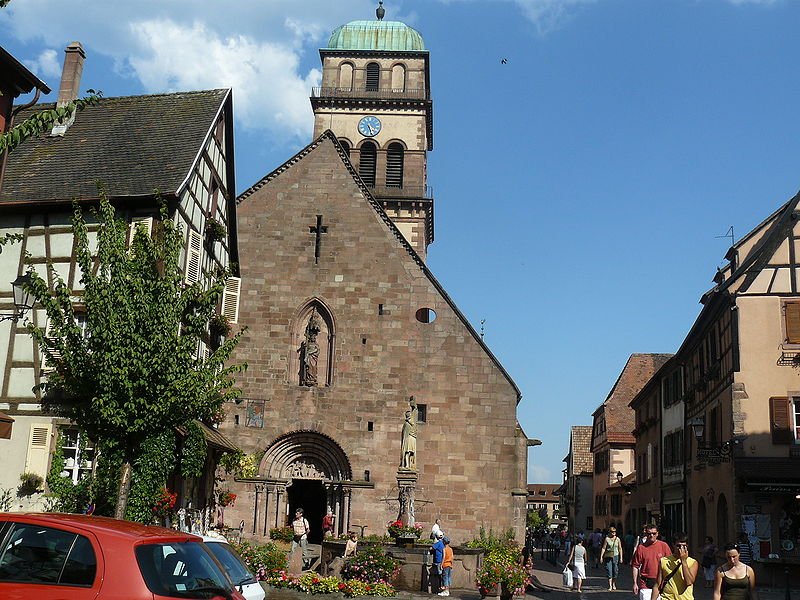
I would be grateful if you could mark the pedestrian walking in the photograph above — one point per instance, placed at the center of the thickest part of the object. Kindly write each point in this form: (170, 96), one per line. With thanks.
(646, 562)
(677, 572)
(629, 541)
(708, 561)
(595, 540)
(577, 564)
(745, 551)
(300, 535)
(612, 555)
(734, 580)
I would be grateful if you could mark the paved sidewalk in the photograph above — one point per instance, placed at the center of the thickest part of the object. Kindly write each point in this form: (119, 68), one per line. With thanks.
(596, 585)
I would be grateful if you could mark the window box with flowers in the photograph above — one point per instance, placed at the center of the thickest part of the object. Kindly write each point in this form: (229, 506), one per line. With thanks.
(215, 231)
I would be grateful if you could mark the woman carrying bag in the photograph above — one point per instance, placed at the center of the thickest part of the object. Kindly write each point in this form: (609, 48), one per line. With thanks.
(612, 556)
(577, 558)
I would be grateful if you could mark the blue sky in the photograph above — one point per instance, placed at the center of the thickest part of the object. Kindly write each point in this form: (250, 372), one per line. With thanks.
(580, 188)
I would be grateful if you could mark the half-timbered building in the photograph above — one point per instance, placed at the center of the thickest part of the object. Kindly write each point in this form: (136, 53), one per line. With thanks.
(742, 395)
(176, 148)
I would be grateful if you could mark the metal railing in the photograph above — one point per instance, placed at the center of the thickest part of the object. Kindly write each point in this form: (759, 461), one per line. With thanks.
(407, 191)
(351, 92)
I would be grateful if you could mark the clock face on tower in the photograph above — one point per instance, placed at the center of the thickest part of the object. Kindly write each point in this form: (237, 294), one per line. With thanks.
(369, 126)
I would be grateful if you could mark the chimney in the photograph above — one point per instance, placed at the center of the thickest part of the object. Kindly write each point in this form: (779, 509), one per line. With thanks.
(69, 89)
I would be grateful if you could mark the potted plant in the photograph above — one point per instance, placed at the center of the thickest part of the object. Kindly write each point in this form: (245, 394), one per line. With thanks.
(404, 535)
(30, 484)
(226, 498)
(215, 231)
(501, 574)
(162, 508)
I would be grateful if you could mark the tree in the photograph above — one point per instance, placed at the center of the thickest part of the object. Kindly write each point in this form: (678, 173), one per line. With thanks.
(133, 375)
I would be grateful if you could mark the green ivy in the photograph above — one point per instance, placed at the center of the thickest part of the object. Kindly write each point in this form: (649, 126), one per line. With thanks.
(193, 451)
(136, 378)
(63, 495)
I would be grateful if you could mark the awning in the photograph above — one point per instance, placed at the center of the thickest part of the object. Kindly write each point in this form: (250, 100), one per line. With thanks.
(6, 423)
(213, 437)
(764, 472)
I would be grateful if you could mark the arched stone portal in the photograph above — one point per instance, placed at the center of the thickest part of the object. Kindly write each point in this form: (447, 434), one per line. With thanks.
(304, 469)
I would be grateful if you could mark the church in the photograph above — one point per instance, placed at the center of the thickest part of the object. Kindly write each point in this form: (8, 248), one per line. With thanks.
(367, 393)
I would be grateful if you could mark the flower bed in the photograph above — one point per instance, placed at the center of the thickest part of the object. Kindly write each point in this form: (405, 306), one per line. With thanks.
(371, 566)
(264, 560)
(502, 568)
(311, 583)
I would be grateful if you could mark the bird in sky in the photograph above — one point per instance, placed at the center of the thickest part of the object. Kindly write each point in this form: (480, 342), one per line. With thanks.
(503, 61)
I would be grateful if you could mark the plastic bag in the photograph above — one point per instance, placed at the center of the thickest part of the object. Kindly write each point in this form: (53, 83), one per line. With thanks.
(566, 577)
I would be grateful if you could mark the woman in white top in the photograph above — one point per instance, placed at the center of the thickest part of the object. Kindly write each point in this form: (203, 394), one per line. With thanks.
(577, 557)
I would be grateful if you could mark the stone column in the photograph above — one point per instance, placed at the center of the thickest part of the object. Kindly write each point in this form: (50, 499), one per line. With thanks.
(278, 507)
(267, 493)
(346, 516)
(337, 512)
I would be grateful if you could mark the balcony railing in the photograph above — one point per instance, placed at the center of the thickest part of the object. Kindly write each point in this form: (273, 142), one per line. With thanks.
(339, 92)
(407, 191)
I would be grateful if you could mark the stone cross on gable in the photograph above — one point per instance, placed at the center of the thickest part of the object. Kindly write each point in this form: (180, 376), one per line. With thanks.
(318, 231)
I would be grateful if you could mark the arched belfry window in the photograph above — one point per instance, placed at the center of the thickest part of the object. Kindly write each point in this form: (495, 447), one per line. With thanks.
(345, 146)
(373, 77)
(346, 76)
(394, 165)
(399, 78)
(368, 155)
(313, 336)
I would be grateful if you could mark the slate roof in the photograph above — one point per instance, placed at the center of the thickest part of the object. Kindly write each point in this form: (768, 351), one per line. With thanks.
(581, 449)
(620, 418)
(134, 144)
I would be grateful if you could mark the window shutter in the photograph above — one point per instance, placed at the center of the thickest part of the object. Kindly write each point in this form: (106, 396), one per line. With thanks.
(145, 223)
(194, 254)
(780, 420)
(394, 166)
(792, 311)
(230, 299)
(373, 77)
(367, 163)
(38, 457)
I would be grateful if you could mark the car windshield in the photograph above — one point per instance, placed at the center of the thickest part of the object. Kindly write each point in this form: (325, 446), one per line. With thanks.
(233, 564)
(181, 570)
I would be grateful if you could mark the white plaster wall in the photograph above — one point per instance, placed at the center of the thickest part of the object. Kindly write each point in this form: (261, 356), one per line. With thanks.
(14, 453)
(760, 339)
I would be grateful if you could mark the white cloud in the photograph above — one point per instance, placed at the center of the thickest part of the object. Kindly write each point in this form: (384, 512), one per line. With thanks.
(538, 474)
(269, 93)
(47, 64)
(548, 15)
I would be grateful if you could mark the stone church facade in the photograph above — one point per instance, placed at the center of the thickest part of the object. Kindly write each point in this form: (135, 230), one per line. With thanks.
(346, 323)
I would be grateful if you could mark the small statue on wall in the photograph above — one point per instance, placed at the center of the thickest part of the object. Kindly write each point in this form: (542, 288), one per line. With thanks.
(408, 446)
(309, 352)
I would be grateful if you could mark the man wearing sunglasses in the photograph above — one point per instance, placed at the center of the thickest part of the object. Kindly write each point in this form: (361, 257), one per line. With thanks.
(645, 563)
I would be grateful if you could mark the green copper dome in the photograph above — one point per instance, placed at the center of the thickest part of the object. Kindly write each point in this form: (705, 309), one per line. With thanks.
(376, 35)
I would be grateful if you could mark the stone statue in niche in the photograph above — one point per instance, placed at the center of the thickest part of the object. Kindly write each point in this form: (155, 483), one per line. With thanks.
(408, 446)
(309, 351)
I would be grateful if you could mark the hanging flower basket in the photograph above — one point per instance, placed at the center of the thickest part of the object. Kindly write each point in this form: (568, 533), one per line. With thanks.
(215, 231)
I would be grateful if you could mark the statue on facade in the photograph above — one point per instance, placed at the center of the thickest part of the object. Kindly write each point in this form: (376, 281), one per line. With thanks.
(408, 446)
(309, 352)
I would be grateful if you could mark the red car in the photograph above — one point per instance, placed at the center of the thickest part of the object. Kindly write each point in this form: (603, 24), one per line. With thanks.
(71, 557)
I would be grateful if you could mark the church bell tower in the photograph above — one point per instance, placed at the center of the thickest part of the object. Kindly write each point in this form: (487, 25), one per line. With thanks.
(375, 96)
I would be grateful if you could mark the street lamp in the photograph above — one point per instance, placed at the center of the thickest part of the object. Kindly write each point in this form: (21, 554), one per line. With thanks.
(721, 453)
(628, 487)
(23, 299)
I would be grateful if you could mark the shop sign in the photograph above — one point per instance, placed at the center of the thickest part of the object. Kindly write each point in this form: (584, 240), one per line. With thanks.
(776, 488)
(752, 509)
